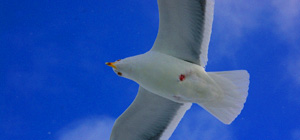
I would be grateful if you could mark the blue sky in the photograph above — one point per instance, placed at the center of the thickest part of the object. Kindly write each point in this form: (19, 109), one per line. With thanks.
(54, 84)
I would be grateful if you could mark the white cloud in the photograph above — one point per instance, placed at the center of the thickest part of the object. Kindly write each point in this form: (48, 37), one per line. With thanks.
(88, 129)
(295, 134)
(287, 18)
(233, 20)
(293, 77)
(196, 125)
(201, 125)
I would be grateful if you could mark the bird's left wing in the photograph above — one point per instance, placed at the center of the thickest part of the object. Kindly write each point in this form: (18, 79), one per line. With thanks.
(149, 117)
(184, 29)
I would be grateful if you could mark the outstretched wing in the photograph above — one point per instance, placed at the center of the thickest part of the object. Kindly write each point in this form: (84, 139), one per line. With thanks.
(149, 117)
(185, 29)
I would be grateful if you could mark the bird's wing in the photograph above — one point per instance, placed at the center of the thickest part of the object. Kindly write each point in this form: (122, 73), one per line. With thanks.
(149, 117)
(185, 29)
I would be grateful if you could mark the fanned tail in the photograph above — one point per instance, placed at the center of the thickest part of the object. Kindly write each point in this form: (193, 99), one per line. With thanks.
(235, 88)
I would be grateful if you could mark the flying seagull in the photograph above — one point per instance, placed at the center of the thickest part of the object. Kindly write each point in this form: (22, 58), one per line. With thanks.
(172, 75)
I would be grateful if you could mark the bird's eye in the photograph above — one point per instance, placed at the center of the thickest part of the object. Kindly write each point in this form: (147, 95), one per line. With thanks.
(119, 73)
(119, 60)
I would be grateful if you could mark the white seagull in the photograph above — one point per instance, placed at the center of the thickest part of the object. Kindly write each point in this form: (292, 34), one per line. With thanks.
(172, 75)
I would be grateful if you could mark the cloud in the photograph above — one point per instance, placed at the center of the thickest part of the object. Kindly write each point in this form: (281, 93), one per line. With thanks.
(197, 124)
(233, 20)
(287, 18)
(295, 134)
(88, 129)
(201, 125)
(293, 78)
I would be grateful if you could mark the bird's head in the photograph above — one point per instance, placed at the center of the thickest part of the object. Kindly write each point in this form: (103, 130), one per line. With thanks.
(122, 67)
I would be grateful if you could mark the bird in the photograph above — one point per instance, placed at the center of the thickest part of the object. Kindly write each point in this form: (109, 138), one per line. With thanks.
(172, 76)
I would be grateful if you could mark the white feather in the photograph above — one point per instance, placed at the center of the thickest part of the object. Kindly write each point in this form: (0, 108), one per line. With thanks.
(209, 14)
(172, 126)
(235, 89)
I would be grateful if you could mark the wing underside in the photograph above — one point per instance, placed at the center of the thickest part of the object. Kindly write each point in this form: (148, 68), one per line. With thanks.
(149, 117)
(185, 29)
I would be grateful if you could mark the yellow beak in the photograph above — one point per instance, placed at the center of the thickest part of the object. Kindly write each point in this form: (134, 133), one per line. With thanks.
(111, 64)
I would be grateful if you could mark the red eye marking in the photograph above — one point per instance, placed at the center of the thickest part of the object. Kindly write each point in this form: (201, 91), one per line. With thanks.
(119, 73)
(181, 77)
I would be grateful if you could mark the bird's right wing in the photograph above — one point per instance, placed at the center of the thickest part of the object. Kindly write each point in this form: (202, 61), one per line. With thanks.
(184, 29)
(149, 117)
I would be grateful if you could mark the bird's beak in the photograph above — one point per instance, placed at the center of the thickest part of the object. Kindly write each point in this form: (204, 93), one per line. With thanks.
(111, 64)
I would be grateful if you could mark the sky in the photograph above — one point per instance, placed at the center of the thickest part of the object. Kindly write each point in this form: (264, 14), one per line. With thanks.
(54, 84)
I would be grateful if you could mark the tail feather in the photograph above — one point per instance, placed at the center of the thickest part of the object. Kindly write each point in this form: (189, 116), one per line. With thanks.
(235, 88)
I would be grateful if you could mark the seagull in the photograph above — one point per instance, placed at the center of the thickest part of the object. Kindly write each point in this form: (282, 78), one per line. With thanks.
(172, 76)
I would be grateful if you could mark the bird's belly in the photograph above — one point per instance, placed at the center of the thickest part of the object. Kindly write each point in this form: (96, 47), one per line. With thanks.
(177, 80)
(190, 89)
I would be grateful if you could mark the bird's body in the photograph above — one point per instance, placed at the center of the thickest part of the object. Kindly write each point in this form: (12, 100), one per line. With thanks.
(160, 74)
